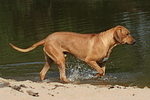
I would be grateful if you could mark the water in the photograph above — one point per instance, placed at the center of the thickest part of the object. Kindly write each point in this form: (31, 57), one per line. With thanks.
(26, 22)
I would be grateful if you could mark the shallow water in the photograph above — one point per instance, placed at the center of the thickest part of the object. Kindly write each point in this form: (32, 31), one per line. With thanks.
(26, 22)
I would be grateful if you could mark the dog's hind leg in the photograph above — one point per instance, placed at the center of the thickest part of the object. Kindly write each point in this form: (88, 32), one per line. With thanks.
(48, 63)
(58, 57)
(60, 61)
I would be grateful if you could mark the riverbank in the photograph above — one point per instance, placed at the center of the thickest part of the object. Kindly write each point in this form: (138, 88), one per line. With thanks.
(28, 90)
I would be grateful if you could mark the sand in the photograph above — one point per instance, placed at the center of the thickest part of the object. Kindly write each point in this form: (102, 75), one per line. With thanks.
(28, 90)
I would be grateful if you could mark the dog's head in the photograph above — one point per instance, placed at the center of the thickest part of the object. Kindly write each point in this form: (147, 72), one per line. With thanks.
(122, 35)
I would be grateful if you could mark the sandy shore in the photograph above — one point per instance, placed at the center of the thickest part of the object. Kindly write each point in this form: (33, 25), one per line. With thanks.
(28, 90)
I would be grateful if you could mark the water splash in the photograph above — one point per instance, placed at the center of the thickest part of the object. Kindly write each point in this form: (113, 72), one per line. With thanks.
(79, 72)
(83, 74)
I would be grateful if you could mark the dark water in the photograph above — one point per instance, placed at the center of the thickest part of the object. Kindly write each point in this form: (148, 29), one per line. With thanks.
(24, 22)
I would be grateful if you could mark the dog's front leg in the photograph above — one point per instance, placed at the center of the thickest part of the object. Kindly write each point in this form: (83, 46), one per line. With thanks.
(98, 74)
(104, 69)
(94, 65)
(102, 65)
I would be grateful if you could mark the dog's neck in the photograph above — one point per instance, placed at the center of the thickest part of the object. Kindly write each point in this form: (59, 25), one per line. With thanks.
(108, 39)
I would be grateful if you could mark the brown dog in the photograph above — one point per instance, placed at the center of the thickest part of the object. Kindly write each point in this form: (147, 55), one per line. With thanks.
(94, 49)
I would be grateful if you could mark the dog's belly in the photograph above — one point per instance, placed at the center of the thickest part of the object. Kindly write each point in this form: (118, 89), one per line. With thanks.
(80, 53)
(79, 56)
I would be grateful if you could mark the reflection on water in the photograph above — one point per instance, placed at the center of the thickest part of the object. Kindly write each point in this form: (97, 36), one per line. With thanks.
(26, 22)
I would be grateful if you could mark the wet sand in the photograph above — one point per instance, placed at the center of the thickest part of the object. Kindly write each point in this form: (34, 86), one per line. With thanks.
(28, 90)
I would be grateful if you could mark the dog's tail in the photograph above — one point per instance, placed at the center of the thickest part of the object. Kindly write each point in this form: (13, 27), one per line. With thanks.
(30, 48)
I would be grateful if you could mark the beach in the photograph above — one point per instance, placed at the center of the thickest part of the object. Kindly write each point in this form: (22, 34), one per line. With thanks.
(29, 90)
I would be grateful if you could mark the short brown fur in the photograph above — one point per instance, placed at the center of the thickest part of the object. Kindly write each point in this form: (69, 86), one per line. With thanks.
(94, 49)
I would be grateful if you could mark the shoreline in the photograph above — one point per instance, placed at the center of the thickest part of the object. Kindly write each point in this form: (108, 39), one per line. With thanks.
(29, 90)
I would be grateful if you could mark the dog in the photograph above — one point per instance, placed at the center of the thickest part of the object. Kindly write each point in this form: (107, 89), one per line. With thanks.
(94, 49)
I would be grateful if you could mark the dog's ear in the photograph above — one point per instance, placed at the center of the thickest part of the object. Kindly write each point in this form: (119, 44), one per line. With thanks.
(118, 35)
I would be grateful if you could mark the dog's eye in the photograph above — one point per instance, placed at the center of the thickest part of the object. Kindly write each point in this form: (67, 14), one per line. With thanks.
(128, 34)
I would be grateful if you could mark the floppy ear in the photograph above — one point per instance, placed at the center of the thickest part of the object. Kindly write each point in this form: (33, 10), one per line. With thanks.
(118, 35)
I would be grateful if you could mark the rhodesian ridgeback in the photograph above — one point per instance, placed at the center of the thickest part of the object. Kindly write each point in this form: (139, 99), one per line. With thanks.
(94, 49)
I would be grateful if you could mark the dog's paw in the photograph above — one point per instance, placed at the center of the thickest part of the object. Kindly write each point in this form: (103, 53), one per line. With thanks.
(98, 74)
